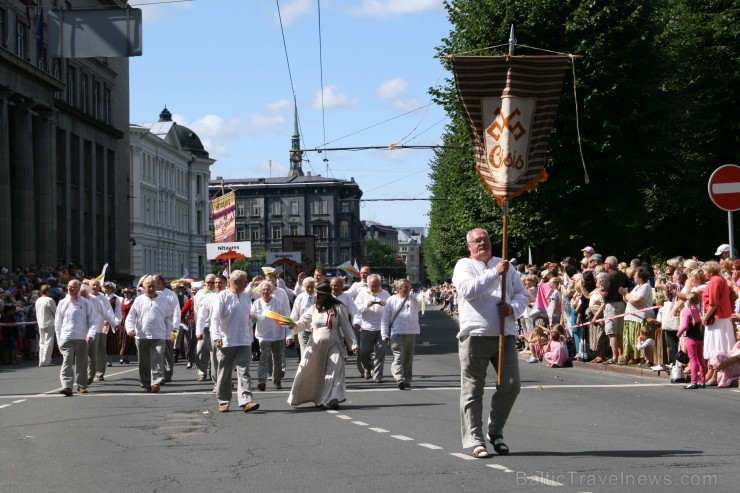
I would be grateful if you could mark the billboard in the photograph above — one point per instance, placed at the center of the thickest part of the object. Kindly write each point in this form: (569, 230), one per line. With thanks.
(306, 246)
(223, 213)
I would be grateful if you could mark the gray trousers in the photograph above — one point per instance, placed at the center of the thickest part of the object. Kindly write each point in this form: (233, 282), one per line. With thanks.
(92, 357)
(240, 356)
(101, 354)
(151, 361)
(203, 354)
(169, 361)
(372, 353)
(476, 352)
(74, 364)
(272, 352)
(402, 346)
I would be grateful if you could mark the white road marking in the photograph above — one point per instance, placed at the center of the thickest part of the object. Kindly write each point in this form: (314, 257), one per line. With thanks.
(360, 423)
(5, 405)
(462, 456)
(19, 401)
(380, 430)
(343, 416)
(429, 446)
(499, 467)
(402, 438)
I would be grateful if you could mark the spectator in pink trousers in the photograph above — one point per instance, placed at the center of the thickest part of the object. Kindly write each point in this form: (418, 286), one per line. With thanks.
(692, 329)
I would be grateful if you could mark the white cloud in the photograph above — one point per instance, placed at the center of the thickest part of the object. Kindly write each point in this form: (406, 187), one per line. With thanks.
(385, 8)
(332, 99)
(405, 104)
(215, 126)
(391, 88)
(290, 12)
(271, 117)
(215, 151)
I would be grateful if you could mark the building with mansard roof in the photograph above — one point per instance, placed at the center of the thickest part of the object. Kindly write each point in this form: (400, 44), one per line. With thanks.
(170, 172)
(63, 150)
(300, 204)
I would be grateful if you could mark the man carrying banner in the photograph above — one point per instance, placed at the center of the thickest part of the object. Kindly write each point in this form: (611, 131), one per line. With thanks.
(478, 282)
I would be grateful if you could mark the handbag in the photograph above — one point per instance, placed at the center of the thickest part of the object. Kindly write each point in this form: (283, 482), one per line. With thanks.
(677, 374)
(682, 357)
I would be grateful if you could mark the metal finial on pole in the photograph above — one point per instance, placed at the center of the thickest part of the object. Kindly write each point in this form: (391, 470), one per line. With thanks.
(512, 41)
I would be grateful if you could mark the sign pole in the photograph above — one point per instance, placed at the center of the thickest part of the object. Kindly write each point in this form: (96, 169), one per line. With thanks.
(502, 318)
(731, 234)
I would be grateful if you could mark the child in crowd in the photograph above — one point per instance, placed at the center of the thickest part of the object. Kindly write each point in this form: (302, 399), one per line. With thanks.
(554, 302)
(537, 341)
(555, 353)
(727, 364)
(646, 346)
(691, 327)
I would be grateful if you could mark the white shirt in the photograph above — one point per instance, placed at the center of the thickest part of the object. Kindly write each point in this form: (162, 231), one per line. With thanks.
(349, 304)
(150, 317)
(46, 308)
(174, 308)
(357, 288)
(117, 310)
(74, 320)
(203, 313)
(407, 320)
(303, 302)
(230, 319)
(103, 312)
(268, 329)
(370, 317)
(479, 293)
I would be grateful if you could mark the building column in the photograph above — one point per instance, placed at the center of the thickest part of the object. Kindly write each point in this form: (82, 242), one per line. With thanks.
(44, 170)
(6, 245)
(23, 220)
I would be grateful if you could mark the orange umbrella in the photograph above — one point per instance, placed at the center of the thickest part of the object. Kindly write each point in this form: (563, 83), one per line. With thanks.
(230, 255)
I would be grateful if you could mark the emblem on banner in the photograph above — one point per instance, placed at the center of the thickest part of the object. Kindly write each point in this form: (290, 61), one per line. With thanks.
(507, 121)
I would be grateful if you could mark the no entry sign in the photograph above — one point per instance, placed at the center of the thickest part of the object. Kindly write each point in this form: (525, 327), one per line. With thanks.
(724, 187)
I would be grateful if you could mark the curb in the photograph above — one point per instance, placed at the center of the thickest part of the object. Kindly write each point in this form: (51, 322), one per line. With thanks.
(623, 369)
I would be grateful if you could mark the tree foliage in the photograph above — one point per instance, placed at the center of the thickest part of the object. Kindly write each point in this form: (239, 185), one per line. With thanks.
(657, 90)
(384, 261)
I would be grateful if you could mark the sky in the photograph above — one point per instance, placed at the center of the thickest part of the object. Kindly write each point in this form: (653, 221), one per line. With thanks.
(220, 67)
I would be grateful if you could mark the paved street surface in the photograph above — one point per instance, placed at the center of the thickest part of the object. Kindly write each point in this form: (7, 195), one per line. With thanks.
(572, 430)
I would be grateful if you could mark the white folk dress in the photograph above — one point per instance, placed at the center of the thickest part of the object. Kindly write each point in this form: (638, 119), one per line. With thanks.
(320, 377)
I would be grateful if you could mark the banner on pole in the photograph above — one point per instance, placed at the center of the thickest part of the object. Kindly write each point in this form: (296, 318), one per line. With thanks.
(509, 104)
(223, 211)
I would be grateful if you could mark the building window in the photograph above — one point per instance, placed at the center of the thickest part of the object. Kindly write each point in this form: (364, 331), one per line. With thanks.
(294, 230)
(254, 233)
(83, 93)
(344, 205)
(411, 258)
(21, 49)
(97, 96)
(344, 255)
(198, 184)
(3, 29)
(293, 207)
(322, 256)
(255, 209)
(240, 209)
(71, 82)
(241, 234)
(321, 231)
(343, 230)
(320, 206)
(277, 208)
(199, 222)
(277, 232)
(106, 106)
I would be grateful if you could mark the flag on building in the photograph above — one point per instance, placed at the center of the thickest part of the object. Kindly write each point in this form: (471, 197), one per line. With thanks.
(509, 104)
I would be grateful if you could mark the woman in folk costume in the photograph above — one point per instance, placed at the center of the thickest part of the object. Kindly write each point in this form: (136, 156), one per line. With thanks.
(321, 375)
(126, 344)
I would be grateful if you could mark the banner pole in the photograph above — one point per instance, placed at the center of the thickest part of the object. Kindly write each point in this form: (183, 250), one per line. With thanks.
(502, 318)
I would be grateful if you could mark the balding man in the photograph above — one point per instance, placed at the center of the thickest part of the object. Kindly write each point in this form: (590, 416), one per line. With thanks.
(75, 329)
(97, 353)
(478, 279)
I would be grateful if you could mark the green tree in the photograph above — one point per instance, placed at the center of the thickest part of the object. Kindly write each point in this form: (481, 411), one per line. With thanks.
(384, 261)
(656, 116)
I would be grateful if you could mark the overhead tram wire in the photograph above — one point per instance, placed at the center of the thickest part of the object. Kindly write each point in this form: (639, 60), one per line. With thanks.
(321, 76)
(290, 75)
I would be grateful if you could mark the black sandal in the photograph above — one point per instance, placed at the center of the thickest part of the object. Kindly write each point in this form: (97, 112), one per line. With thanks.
(498, 444)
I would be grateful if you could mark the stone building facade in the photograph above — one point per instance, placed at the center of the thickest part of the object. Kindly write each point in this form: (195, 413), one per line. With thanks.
(63, 151)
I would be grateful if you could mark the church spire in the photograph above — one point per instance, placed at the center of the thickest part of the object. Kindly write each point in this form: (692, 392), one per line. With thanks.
(296, 155)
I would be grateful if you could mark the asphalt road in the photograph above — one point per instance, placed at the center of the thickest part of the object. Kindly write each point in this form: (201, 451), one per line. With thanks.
(572, 430)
